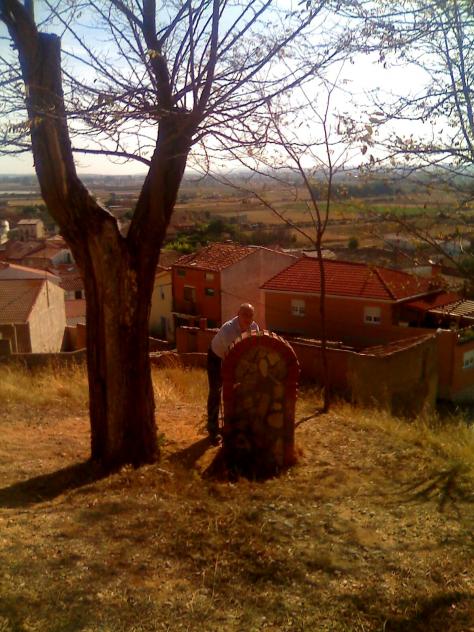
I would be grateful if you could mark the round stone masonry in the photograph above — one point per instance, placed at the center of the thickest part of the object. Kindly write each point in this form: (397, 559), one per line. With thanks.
(260, 377)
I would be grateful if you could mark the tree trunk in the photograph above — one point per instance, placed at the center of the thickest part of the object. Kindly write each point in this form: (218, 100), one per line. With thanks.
(119, 276)
(121, 399)
(322, 315)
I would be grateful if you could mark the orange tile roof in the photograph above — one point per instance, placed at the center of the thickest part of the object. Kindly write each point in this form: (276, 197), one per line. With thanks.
(168, 257)
(431, 302)
(215, 257)
(47, 252)
(355, 280)
(17, 298)
(69, 276)
(15, 271)
(19, 249)
(72, 283)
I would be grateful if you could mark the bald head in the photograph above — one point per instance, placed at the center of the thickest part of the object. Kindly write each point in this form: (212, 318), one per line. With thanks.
(245, 315)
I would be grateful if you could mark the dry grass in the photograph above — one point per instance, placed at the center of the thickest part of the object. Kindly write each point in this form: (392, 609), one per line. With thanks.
(371, 531)
(22, 388)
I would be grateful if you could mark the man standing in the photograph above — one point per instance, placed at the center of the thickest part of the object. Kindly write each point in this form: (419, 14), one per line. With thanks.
(226, 335)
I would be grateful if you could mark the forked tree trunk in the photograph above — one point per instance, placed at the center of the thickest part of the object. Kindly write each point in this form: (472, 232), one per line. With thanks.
(119, 276)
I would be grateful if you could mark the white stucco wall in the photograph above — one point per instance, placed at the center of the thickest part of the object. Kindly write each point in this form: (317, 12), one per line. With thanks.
(240, 282)
(48, 319)
(161, 307)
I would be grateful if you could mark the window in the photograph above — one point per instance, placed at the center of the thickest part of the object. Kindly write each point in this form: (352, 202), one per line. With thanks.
(78, 294)
(468, 360)
(209, 276)
(209, 291)
(180, 272)
(372, 315)
(189, 293)
(298, 307)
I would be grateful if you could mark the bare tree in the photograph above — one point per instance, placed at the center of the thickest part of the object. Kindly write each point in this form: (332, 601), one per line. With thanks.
(145, 82)
(419, 135)
(303, 153)
(424, 129)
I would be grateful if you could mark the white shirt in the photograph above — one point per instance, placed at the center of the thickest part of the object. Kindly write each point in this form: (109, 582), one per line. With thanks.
(226, 335)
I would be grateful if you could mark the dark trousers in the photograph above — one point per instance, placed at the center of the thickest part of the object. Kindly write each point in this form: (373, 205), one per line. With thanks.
(214, 364)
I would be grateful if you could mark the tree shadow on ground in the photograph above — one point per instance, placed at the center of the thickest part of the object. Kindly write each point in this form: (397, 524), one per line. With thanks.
(188, 457)
(450, 488)
(437, 613)
(48, 486)
(217, 469)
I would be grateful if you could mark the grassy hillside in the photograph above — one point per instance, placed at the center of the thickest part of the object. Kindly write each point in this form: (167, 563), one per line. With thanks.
(371, 530)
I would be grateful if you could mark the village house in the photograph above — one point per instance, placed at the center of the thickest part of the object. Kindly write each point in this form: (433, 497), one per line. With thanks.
(71, 282)
(32, 315)
(4, 230)
(14, 250)
(367, 306)
(27, 229)
(364, 303)
(210, 284)
(47, 256)
(161, 314)
(37, 253)
(161, 323)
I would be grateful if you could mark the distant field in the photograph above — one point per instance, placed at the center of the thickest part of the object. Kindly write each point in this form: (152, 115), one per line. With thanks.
(18, 203)
(349, 218)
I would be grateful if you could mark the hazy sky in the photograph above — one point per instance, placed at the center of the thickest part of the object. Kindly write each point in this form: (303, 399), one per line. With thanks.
(358, 79)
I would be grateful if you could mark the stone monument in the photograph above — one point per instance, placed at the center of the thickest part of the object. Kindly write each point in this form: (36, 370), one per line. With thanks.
(260, 378)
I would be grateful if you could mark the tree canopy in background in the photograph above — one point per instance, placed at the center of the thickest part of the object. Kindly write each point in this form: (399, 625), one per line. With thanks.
(432, 122)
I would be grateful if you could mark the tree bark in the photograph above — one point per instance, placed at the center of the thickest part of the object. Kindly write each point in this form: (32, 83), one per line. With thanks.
(121, 398)
(119, 277)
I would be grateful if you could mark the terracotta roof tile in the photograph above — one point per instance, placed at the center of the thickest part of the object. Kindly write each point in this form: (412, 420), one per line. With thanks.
(69, 276)
(17, 297)
(168, 257)
(215, 257)
(72, 283)
(350, 279)
(431, 302)
(47, 252)
(19, 249)
(14, 271)
(396, 345)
